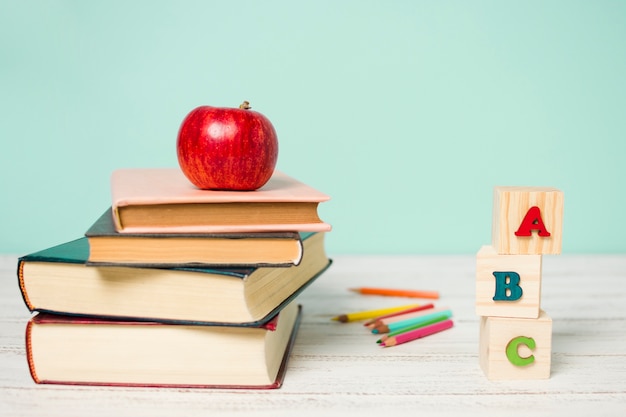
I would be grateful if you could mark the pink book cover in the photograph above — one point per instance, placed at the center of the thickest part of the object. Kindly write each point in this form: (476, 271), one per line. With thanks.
(148, 186)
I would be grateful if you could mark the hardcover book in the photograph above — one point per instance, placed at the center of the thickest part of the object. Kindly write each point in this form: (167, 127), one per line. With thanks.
(58, 280)
(72, 350)
(163, 200)
(107, 247)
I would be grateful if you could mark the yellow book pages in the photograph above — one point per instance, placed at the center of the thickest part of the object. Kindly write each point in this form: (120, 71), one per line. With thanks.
(107, 246)
(72, 350)
(58, 280)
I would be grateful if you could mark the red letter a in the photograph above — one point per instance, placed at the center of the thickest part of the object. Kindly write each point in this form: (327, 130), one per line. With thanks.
(532, 221)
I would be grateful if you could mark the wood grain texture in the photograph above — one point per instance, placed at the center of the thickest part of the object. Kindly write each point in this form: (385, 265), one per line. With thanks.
(495, 335)
(528, 268)
(510, 206)
(337, 369)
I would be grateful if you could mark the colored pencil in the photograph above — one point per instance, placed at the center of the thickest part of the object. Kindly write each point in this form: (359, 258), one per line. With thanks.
(396, 292)
(418, 333)
(401, 316)
(434, 320)
(363, 315)
(405, 316)
(391, 327)
(372, 322)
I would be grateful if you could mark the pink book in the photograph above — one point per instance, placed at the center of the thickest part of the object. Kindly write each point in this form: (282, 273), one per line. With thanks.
(163, 200)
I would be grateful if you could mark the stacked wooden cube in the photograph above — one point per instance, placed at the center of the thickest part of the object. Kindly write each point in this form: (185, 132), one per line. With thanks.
(515, 332)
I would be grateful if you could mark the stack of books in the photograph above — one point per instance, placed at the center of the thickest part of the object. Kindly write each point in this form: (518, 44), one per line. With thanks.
(176, 286)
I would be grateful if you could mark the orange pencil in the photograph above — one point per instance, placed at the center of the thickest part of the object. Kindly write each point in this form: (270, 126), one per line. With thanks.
(396, 292)
(372, 322)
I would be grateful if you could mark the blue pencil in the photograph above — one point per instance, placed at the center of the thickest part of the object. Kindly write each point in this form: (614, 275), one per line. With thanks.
(386, 328)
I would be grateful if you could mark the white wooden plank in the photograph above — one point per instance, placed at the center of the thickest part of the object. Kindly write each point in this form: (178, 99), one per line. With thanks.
(337, 369)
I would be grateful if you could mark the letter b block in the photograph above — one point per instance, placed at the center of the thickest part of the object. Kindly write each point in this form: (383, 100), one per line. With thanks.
(527, 220)
(507, 285)
(516, 348)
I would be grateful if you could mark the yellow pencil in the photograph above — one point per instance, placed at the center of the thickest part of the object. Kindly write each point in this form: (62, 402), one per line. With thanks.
(362, 315)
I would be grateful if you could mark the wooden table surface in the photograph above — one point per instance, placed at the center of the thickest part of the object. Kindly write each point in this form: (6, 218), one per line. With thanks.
(337, 369)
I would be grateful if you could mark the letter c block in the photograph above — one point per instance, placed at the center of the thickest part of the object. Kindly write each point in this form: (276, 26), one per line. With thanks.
(516, 348)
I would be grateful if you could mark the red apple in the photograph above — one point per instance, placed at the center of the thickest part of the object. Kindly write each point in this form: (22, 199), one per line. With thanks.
(224, 148)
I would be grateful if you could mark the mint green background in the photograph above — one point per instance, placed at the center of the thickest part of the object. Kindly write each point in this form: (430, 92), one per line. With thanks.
(406, 112)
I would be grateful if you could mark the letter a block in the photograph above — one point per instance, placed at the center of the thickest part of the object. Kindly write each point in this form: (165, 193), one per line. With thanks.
(515, 348)
(507, 285)
(527, 220)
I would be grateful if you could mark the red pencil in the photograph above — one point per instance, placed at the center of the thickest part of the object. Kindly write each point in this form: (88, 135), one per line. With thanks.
(417, 333)
(374, 322)
(396, 292)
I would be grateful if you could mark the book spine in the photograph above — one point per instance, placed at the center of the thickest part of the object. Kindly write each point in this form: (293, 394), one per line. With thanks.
(29, 353)
(20, 281)
(117, 221)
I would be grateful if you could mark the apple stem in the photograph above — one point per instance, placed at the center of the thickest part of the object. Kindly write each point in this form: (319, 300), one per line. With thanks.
(245, 105)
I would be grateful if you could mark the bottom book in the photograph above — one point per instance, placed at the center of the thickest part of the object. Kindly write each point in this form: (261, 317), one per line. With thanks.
(85, 351)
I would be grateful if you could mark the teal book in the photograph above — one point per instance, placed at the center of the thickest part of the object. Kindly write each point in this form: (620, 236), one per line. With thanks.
(109, 247)
(59, 280)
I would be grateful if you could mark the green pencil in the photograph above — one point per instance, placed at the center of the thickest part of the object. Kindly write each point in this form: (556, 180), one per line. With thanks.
(434, 320)
(392, 327)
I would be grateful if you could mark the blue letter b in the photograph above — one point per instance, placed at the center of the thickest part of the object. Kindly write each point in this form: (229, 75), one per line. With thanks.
(507, 286)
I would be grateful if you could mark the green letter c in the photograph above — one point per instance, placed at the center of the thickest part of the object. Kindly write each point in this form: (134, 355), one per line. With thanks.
(513, 355)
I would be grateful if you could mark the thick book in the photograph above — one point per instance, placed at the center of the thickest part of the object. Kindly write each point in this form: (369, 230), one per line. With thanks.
(107, 246)
(58, 280)
(79, 351)
(162, 200)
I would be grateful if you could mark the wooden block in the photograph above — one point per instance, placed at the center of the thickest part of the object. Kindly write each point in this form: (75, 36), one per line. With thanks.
(527, 220)
(514, 348)
(507, 285)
